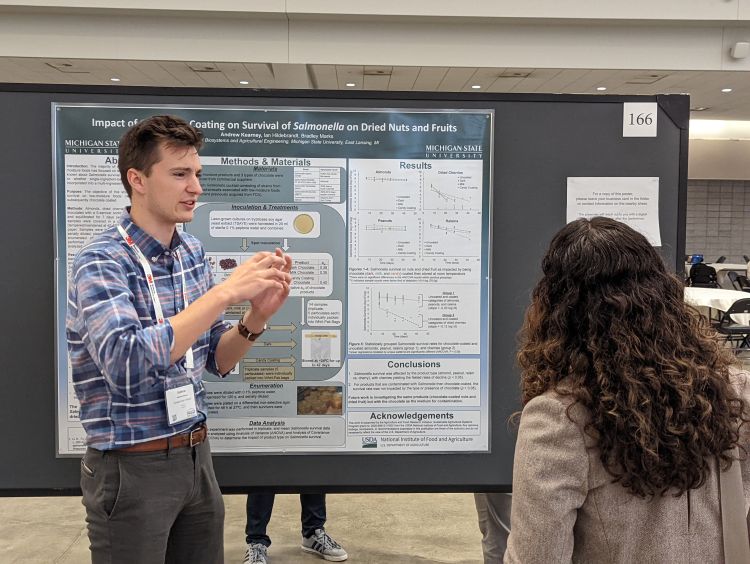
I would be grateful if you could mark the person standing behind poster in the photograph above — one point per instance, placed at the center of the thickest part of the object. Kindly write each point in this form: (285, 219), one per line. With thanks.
(315, 539)
(493, 513)
(144, 320)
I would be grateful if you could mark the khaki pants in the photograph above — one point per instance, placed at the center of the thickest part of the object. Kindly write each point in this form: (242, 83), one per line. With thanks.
(153, 508)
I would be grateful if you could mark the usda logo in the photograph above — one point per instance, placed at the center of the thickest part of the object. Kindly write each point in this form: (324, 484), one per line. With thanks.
(369, 442)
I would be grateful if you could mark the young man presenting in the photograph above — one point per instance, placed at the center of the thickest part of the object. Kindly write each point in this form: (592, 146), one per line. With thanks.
(144, 320)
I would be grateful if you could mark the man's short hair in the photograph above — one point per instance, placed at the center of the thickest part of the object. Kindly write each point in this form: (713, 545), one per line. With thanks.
(139, 145)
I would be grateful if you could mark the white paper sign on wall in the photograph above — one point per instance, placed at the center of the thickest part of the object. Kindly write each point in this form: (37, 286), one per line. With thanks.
(639, 119)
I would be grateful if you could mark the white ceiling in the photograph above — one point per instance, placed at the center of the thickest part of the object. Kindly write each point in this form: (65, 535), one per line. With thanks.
(703, 86)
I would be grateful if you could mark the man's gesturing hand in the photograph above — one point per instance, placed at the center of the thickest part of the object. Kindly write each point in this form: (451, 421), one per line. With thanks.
(262, 273)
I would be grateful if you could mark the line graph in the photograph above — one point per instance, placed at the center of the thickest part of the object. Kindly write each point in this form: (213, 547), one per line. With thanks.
(453, 235)
(385, 190)
(385, 228)
(386, 179)
(386, 235)
(463, 233)
(445, 196)
(392, 310)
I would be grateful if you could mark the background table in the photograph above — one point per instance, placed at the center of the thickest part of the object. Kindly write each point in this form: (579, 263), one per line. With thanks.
(716, 298)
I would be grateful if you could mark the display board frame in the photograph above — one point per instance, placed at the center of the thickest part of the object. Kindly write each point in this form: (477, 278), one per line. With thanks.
(540, 140)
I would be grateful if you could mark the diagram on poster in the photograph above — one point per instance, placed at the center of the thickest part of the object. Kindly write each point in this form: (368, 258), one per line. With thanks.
(382, 345)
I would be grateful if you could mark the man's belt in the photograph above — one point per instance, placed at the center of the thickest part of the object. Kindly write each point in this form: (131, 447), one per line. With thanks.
(183, 440)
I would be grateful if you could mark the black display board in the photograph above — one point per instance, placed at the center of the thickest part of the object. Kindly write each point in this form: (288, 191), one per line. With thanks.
(539, 141)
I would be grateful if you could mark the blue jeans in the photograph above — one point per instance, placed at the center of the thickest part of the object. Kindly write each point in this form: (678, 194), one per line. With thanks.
(260, 507)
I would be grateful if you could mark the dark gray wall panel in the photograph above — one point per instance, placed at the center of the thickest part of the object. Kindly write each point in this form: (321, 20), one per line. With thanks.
(540, 140)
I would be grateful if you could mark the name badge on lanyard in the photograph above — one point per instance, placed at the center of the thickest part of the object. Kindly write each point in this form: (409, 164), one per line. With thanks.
(180, 401)
(180, 404)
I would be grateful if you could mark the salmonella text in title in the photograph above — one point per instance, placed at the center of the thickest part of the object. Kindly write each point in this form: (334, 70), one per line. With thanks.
(334, 126)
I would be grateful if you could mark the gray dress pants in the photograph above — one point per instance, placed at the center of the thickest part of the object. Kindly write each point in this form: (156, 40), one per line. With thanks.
(493, 512)
(153, 508)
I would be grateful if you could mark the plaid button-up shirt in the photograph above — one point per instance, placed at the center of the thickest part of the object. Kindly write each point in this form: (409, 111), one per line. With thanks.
(119, 354)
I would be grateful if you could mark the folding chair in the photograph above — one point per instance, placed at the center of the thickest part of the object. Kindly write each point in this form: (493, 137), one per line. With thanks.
(736, 332)
(743, 282)
(734, 279)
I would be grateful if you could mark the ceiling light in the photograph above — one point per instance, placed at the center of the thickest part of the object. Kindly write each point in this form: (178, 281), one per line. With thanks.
(726, 90)
(115, 79)
(699, 109)
(244, 82)
(476, 86)
(350, 84)
(601, 88)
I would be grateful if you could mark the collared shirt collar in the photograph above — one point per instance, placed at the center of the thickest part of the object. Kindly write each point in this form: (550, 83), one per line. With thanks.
(149, 246)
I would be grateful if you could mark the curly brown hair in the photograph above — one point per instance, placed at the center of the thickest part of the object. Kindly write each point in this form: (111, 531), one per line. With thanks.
(608, 325)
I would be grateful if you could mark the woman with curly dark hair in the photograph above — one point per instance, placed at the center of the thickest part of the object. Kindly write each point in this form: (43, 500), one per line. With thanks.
(630, 404)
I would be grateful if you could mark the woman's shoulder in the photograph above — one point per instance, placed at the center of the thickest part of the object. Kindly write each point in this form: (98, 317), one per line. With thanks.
(554, 399)
(561, 396)
(559, 409)
(558, 404)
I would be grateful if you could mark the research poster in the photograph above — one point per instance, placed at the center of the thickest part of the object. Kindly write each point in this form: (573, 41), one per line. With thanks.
(383, 344)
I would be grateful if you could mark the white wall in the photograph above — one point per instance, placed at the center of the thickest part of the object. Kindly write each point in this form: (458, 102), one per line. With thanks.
(674, 10)
(719, 159)
(669, 34)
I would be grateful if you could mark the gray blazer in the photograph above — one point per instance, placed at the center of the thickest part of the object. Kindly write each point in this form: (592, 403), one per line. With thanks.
(566, 508)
